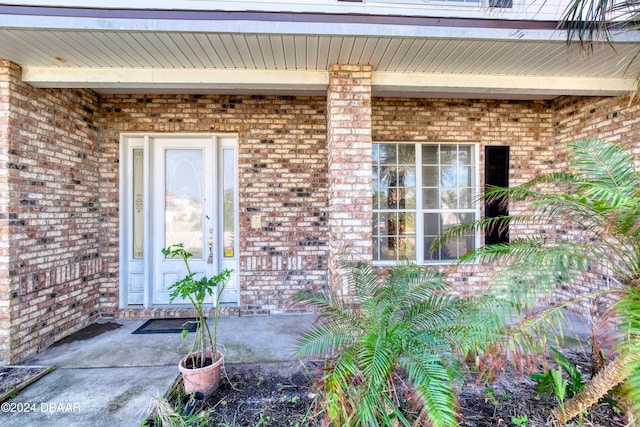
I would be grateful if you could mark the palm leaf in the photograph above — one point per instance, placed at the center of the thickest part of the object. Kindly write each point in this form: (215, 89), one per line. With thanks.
(629, 308)
(581, 223)
(588, 20)
(326, 339)
(408, 316)
(604, 165)
(361, 277)
(377, 357)
(432, 383)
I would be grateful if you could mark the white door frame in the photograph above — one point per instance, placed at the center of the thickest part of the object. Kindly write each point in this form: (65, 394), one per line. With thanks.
(137, 275)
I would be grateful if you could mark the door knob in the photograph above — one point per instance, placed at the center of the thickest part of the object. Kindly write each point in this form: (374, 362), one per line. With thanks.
(210, 259)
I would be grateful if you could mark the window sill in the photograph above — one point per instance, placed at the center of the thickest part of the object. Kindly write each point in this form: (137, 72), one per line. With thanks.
(423, 264)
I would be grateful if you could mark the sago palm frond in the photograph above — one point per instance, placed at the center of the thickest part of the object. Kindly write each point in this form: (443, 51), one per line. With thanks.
(629, 308)
(583, 221)
(377, 361)
(434, 386)
(529, 190)
(556, 255)
(361, 278)
(330, 306)
(405, 325)
(604, 166)
(326, 339)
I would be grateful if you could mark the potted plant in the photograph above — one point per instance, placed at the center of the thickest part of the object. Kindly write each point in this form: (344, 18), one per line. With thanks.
(200, 369)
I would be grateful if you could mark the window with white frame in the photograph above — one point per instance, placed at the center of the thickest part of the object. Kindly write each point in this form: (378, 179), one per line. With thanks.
(420, 190)
(412, 2)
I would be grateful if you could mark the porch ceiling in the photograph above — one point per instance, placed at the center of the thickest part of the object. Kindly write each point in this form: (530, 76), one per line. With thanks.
(283, 58)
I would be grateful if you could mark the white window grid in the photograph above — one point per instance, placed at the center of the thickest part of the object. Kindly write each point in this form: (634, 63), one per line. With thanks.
(419, 210)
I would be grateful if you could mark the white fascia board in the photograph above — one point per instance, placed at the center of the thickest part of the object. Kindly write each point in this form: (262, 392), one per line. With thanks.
(320, 17)
(410, 84)
(532, 85)
(287, 28)
(277, 28)
(522, 9)
(170, 78)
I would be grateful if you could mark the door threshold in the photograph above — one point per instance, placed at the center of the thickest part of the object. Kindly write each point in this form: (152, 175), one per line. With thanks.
(169, 312)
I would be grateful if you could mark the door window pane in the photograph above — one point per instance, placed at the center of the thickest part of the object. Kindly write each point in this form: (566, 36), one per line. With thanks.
(138, 203)
(184, 204)
(228, 201)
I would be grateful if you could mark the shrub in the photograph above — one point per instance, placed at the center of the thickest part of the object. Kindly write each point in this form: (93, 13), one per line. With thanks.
(404, 330)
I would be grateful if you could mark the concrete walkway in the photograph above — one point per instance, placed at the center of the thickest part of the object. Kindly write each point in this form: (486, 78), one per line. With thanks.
(111, 379)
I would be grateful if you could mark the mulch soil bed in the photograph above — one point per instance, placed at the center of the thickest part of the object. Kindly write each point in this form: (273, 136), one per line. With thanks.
(15, 378)
(266, 395)
(284, 395)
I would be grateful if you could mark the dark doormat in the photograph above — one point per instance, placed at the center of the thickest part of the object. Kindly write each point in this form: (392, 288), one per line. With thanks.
(90, 331)
(167, 326)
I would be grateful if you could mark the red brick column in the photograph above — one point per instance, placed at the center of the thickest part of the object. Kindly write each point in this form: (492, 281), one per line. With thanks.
(349, 154)
(7, 73)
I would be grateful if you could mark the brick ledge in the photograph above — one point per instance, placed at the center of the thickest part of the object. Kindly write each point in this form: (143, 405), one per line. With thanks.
(175, 312)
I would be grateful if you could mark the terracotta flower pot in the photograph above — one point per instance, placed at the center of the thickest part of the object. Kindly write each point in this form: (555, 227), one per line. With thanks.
(205, 380)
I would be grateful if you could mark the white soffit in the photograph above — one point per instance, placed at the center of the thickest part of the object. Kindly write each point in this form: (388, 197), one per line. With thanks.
(272, 56)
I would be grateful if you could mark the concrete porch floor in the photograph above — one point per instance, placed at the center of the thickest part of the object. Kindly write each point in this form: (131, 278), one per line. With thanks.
(111, 379)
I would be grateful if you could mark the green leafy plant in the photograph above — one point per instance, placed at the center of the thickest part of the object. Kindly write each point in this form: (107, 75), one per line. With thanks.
(401, 330)
(490, 396)
(560, 386)
(553, 382)
(196, 291)
(520, 421)
(597, 198)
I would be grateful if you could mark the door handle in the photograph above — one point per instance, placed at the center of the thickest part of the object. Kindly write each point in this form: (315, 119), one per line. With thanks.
(210, 259)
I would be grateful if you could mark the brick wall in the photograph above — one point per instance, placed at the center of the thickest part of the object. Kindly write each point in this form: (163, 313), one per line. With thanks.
(50, 210)
(614, 119)
(525, 126)
(285, 154)
(350, 182)
(610, 118)
(303, 177)
(282, 166)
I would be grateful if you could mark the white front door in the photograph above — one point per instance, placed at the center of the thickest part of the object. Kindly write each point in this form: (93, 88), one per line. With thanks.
(190, 184)
(183, 210)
